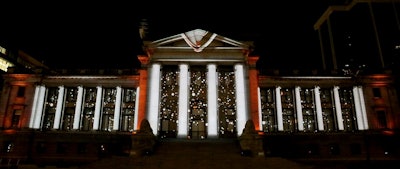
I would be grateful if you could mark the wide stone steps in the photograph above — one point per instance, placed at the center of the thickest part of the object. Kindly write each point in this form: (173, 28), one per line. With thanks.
(210, 154)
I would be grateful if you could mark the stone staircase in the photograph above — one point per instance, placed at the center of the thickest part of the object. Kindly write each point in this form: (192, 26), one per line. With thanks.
(209, 154)
(195, 154)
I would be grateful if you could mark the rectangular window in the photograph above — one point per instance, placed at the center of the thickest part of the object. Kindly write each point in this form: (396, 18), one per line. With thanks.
(307, 104)
(50, 108)
(382, 119)
(82, 148)
(288, 109)
(169, 101)
(268, 109)
(21, 91)
(377, 92)
(68, 118)
(226, 93)
(327, 103)
(109, 98)
(312, 149)
(15, 118)
(69, 108)
(334, 149)
(61, 148)
(128, 109)
(347, 105)
(88, 109)
(41, 147)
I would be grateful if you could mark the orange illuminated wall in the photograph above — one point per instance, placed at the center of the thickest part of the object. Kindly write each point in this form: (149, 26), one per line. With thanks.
(16, 105)
(143, 89)
(253, 89)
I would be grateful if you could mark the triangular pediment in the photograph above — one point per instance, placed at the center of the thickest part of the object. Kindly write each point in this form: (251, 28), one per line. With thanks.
(197, 40)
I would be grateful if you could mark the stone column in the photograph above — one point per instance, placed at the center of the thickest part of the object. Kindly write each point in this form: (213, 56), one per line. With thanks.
(34, 107)
(137, 112)
(363, 109)
(97, 110)
(357, 106)
(318, 107)
(212, 101)
(241, 103)
(279, 108)
(154, 96)
(339, 117)
(78, 108)
(39, 108)
(183, 100)
(60, 103)
(117, 108)
(299, 109)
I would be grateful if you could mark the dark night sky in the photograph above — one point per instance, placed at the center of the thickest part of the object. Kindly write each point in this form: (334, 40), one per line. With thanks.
(105, 33)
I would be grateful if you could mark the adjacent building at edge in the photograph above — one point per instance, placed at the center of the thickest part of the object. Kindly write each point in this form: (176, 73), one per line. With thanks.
(197, 85)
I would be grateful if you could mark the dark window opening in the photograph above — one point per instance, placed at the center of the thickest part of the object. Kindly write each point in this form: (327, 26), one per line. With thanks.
(21, 92)
(82, 148)
(61, 148)
(312, 149)
(334, 149)
(15, 118)
(103, 150)
(382, 119)
(377, 92)
(41, 148)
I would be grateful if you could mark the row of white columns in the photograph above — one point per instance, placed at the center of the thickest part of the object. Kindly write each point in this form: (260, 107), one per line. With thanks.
(359, 104)
(39, 106)
(212, 98)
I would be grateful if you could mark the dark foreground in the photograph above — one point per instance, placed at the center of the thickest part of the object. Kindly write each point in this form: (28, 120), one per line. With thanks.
(214, 155)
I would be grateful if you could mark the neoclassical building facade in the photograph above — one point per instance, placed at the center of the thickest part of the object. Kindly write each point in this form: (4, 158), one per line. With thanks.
(195, 85)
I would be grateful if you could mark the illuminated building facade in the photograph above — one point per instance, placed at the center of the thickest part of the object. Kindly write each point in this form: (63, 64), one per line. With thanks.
(198, 85)
(184, 91)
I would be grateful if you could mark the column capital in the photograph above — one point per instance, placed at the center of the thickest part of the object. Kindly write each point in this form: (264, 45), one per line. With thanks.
(144, 60)
(252, 61)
